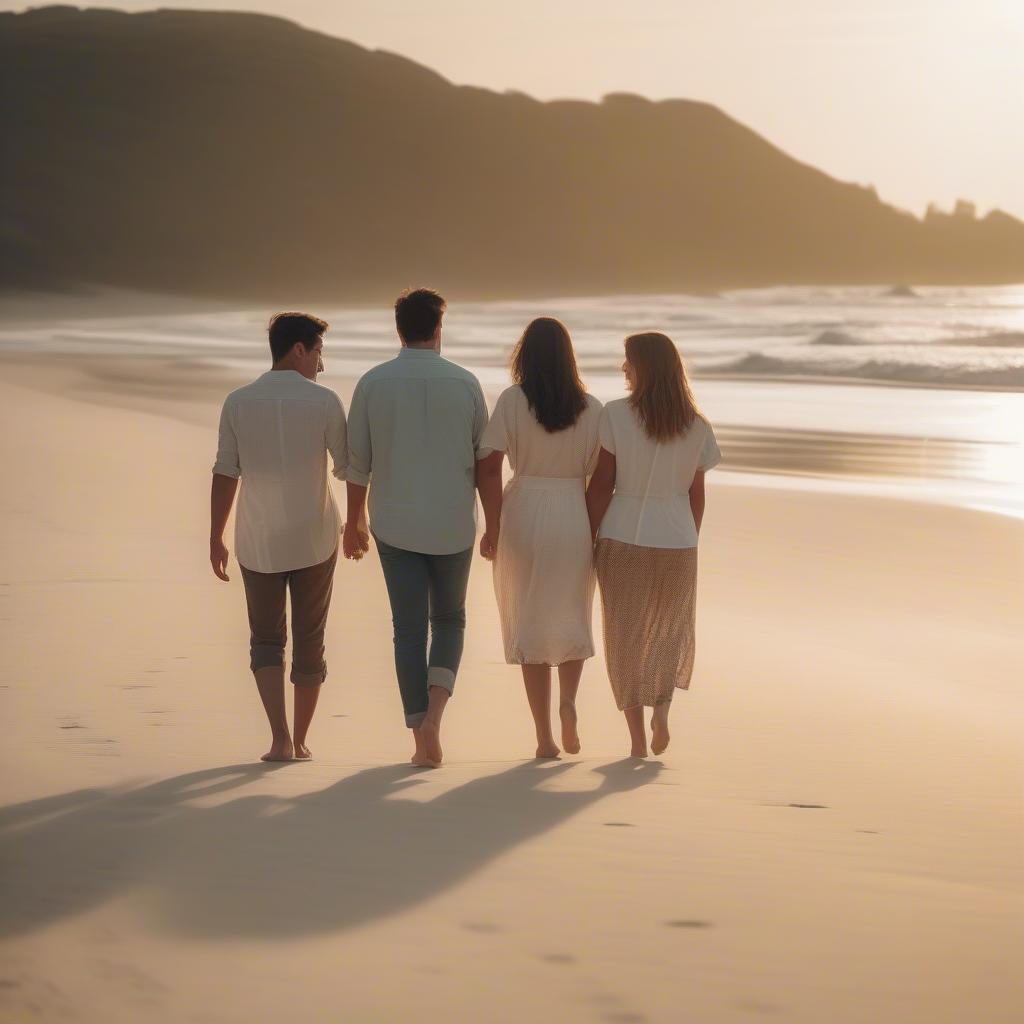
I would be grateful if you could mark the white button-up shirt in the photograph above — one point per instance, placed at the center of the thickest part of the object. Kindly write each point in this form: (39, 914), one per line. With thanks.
(414, 427)
(651, 503)
(275, 435)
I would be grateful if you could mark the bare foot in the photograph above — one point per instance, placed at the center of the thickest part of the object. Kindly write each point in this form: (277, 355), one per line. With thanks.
(548, 750)
(422, 761)
(419, 755)
(302, 752)
(570, 737)
(430, 738)
(659, 729)
(280, 750)
(636, 751)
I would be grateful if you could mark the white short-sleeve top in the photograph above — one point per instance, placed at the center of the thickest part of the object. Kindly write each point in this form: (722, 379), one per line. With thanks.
(531, 450)
(275, 435)
(651, 503)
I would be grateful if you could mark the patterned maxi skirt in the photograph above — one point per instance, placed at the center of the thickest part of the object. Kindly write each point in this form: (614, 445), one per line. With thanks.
(648, 597)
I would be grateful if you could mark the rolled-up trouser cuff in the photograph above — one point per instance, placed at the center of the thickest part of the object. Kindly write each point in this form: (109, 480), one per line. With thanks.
(265, 656)
(416, 719)
(309, 678)
(443, 677)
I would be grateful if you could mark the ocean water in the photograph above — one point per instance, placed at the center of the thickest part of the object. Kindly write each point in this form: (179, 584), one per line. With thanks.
(913, 393)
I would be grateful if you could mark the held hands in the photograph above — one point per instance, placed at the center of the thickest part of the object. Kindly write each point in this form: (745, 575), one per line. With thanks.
(219, 559)
(354, 542)
(488, 546)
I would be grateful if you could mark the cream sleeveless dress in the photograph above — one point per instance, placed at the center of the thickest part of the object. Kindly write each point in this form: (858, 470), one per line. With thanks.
(543, 570)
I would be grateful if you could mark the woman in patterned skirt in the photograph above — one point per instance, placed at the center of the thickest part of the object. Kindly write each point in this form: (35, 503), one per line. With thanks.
(646, 502)
(537, 531)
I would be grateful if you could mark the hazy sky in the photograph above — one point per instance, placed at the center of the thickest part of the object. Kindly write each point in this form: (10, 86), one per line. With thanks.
(922, 98)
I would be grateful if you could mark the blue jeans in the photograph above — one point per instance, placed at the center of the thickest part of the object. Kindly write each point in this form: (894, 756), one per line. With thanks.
(425, 590)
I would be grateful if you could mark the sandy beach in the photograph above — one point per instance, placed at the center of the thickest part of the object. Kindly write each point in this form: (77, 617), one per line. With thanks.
(834, 835)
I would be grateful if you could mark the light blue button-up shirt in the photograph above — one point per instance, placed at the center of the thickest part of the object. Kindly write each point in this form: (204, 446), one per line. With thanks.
(414, 427)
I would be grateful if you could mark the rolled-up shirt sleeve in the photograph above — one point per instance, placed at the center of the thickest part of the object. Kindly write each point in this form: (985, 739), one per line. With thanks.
(479, 416)
(227, 463)
(360, 450)
(337, 437)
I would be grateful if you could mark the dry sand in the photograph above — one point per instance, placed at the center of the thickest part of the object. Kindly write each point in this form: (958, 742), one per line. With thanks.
(835, 834)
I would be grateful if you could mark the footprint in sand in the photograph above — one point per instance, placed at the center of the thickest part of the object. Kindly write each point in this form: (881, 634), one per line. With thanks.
(810, 807)
(619, 824)
(75, 726)
(688, 923)
(622, 1016)
(563, 959)
(481, 927)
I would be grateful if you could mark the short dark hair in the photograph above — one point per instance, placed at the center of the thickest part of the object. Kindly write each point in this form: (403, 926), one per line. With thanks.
(287, 329)
(417, 314)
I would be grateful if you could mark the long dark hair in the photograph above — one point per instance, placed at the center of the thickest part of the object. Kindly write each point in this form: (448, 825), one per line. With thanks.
(544, 366)
(662, 397)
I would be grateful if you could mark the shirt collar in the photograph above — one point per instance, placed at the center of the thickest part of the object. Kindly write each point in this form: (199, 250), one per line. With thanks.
(416, 353)
(282, 375)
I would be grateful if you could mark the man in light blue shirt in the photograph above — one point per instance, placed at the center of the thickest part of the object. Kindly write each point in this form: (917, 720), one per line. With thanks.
(414, 427)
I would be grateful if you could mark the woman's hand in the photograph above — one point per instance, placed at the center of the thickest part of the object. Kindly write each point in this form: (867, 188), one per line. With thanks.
(488, 482)
(600, 490)
(488, 546)
(354, 542)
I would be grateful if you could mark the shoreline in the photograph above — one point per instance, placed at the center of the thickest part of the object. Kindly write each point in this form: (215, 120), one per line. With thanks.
(900, 467)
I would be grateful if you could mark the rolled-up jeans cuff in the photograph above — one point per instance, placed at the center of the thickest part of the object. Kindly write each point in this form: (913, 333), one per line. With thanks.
(309, 678)
(443, 677)
(414, 720)
(265, 656)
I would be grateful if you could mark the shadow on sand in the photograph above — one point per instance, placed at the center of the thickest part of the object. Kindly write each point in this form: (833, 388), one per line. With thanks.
(263, 866)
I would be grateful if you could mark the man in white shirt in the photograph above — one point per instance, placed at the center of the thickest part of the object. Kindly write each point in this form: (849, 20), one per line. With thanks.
(274, 436)
(414, 426)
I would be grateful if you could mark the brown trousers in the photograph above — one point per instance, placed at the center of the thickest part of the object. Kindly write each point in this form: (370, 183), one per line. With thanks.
(311, 599)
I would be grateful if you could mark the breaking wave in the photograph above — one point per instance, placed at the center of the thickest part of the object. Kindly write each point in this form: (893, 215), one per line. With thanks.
(997, 339)
(895, 370)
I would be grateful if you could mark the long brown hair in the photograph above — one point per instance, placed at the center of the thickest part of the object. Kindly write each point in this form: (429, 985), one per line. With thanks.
(661, 397)
(544, 366)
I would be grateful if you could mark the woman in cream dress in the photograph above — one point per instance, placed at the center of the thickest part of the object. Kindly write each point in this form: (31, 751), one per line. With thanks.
(537, 531)
(646, 504)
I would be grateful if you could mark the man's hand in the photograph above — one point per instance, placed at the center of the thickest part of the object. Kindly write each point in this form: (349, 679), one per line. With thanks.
(354, 542)
(488, 547)
(219, 559)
